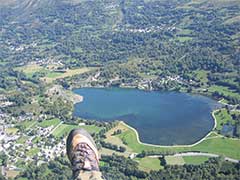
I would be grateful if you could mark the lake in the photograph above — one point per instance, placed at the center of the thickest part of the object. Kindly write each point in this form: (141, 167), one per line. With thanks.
(161, 118)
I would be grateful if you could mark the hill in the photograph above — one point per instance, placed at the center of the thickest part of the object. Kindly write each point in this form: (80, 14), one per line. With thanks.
(106, 30)
(131, 39)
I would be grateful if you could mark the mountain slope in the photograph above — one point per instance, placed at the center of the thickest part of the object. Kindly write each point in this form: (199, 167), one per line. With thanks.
(181, 35)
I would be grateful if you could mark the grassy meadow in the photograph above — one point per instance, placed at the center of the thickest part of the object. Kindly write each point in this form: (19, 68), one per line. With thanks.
(48, 74)
(218, 145)
(64, 129)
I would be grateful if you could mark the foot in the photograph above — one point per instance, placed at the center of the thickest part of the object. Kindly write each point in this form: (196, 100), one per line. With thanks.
(82, 151)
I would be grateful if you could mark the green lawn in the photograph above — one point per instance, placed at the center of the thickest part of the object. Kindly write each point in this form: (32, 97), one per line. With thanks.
(222, 146)
(195, 160)
(51, 122)
(3, 62)
(22, 140)
(64, 129)
(50, 75)
(224, 90)
(22, 178)
(11, 173)
(32, 152)
(34, 107)
(174, 160)
(29, 70)
(223, 117)
(27, 124)
(147, 164)
(213, 134)
(20, 163)
(183, 38)
(201, 75)
(185, 32)
(53, 74)
(91, 128)
(12, 130)
(224, 101)
(102, 163)
(36, 139)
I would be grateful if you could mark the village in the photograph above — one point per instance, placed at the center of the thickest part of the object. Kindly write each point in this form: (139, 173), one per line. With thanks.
(35, 143)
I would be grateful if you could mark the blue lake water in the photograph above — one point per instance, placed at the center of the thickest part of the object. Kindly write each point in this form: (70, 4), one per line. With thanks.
(163, 118)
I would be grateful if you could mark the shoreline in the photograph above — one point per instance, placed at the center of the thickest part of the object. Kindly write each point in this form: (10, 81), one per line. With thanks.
(169, 146)
(77, 98)
(80, 99)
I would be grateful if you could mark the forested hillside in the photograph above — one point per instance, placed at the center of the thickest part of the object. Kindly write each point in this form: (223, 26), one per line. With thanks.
(159, 37)
(181, 35)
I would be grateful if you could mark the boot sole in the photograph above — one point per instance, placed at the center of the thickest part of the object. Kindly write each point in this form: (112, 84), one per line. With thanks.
(75, 132)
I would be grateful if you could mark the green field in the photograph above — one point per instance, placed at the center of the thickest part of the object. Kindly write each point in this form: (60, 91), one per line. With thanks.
(29, 70)
(147, 164)
(174, 160)
(64, 129)
(36, 139)
(183, 38)
(51, 122)
(22, 140)
(195, 160)
(223, 117)
(221, 146)
(49, 75)
(52, 76)
(32, 152)
(224, 90)
(27, 124)
(201, 75)
(12, 130)
(213, 134)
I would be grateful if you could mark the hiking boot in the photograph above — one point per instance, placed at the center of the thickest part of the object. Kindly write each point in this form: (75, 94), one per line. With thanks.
(82, 152)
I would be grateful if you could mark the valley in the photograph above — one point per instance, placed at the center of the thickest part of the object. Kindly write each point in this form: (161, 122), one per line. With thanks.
(50, 48)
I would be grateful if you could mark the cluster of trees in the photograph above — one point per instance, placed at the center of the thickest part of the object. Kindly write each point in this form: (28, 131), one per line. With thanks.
(236, 131)
(228, 80)
(229, 98)
(18, 89)
(119, 131)
(11, 79)
(59, 168)
(119, 167)
(89, 37)
(150, 153)
(215, 168)
(113, 146)
(229, 119)
(59, 108)
(3, 158)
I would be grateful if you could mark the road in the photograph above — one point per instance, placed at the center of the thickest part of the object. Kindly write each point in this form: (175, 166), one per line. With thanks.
(199, 154)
